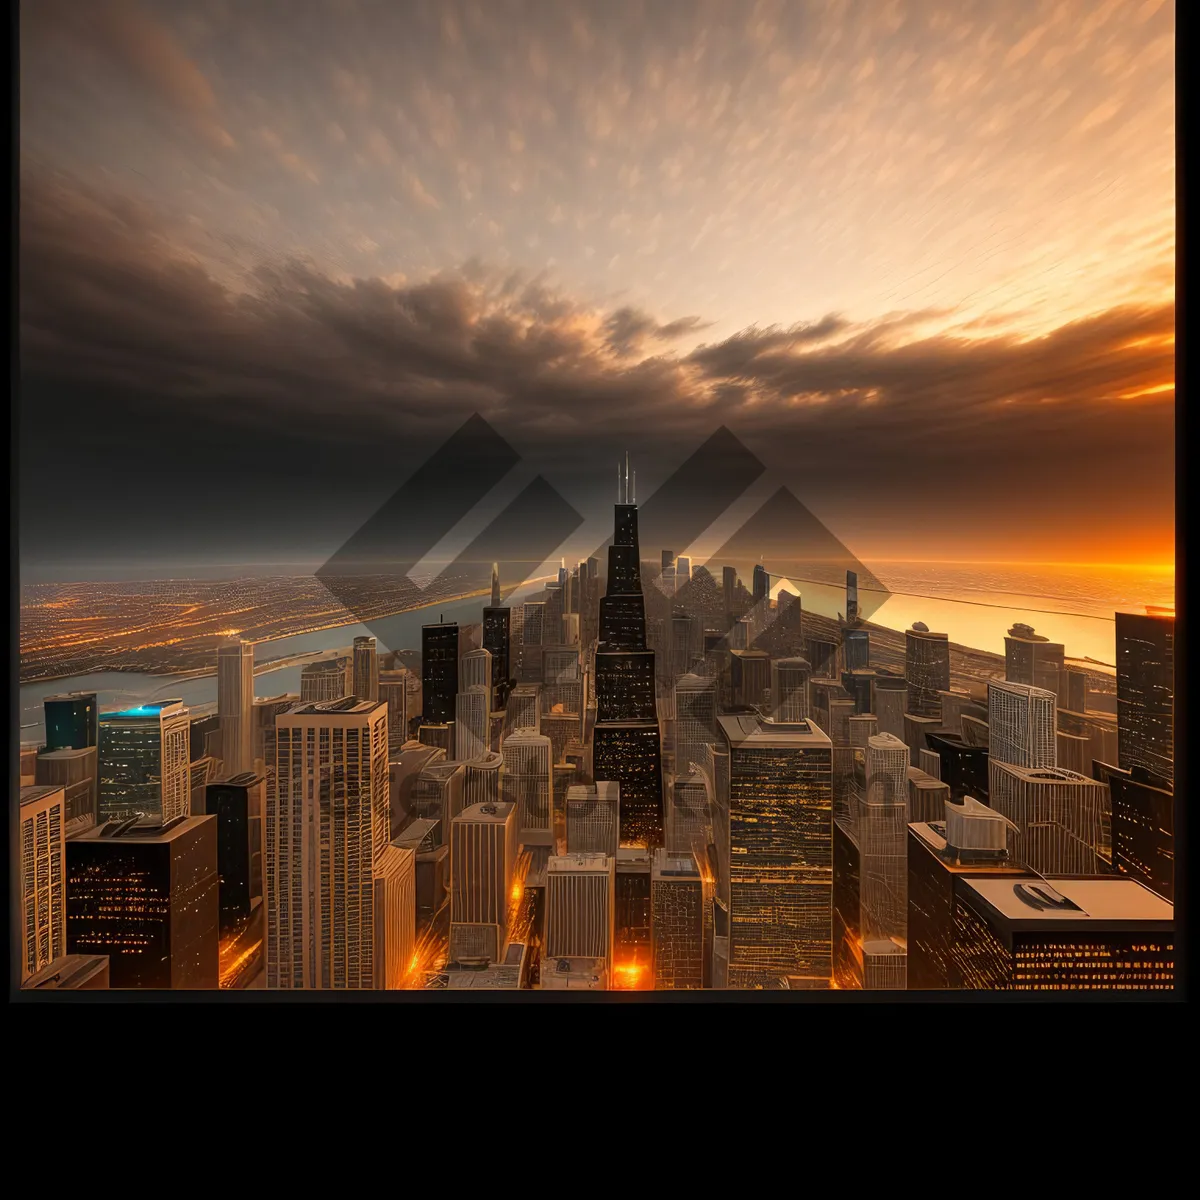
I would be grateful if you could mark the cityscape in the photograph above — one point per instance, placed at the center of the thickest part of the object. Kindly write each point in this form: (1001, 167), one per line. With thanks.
(377, 670)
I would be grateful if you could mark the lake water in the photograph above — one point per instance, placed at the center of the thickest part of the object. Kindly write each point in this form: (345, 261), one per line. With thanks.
(974, 604)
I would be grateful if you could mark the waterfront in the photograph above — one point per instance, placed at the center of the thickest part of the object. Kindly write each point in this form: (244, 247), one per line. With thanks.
(1069, 609)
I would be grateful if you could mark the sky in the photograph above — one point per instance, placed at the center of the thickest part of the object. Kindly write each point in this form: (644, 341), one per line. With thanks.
(919, 258)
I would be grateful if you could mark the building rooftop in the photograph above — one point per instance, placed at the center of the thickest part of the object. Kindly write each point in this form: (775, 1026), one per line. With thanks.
(347, 705)
(39, 791)
(441, 770)
(487, 814)
(559, 864)
(60, 755)
(414, 833)
(933, 837)
(67, 971)
(674, 866)
(490, 760)
(242, 779)
(750, 730)
(139, 830)
(1111, 902)
(152, 708)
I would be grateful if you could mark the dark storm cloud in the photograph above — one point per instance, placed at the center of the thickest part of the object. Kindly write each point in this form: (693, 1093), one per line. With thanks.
(110, 295)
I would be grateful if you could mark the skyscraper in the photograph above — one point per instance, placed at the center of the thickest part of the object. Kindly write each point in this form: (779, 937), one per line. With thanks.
(75, 772)
(762, 583)
(626, 745)
(42, 849)
(852, 603)
(366, 669)
(695, 720)
(495, 587)
(1060, 822)
(143, 762)
(526, 783)
(789, 689)
(1146, 693)
(472, 714)
(235, 704)
(1021, 725)
(781, 860)
(592, 818)
(677, 922)
(1143, 827)
(239, 804)
(580, 910)
(483, 855)
(321, 682)
(926, 670)
(146, 894)
(496, 641)
(439, 672)
(72, 721)
(340, 897)
(394, 692)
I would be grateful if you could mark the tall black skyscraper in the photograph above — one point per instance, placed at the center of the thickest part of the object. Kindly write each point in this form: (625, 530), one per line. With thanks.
(439, 673)
(627, 747)
(239, 805)
(1146, 693)
(72, 721)
(762, 583)
(497, 632)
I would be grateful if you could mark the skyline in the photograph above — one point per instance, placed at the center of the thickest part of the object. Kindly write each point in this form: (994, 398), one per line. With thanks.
(844, 236)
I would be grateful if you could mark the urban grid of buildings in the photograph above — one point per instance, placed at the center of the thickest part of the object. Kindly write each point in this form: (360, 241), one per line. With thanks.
(645, 777)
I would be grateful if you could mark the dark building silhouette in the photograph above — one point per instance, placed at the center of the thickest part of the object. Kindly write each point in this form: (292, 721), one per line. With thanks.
(147, 896)
(72, 721)
(962, 767)
(1143, 827)
(627, 747)
(1146, 693)
(497, 634)
(852, 600)
(856, 649)
(761, 583)
(439, 672)
(926, 670)
(729, 583)
(239, 804)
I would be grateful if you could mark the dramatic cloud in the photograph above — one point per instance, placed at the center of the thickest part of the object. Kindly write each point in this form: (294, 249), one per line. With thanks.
(924, 255)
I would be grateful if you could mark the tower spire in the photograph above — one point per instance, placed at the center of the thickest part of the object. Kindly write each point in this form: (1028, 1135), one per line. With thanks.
(495, 585)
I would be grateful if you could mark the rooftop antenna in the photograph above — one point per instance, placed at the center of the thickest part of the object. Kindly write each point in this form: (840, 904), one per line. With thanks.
(626, 476)
(634, 500)
(618, 481)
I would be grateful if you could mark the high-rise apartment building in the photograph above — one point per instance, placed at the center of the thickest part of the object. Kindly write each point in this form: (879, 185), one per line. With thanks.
(147, 895)
(439, 672)
(240, 807)
(321, 682)
(592, 818)
(695, 719)
(1146, 693)
(1033, 660)
(72, 721)
(926, 670)
(472, 717)
(483, 856)
(526, 783)
(481, 779)
(781, 853)
(580, 910)
(340, 897)
(1143, 827)
(889, 703)
(1021, 725)
(75, 772)
(497, 639)
(394, 690)
(143, 762)
(366, 669)
(41, 877)
(789, 689)
(235, 705)
(677, 922)
(1060, 819)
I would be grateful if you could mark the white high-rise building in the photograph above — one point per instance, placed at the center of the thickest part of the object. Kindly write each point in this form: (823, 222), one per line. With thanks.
(144, 762)
(235, 705)
(580, 908)
(695, 720)
(483, 856)
(526, 782)
(475, 670)
(593, 818)
(1022, 725)
(472, 715)
(341, 899)
(42, 877)
(366, 669)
